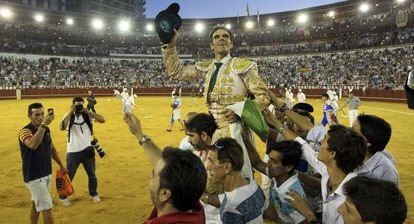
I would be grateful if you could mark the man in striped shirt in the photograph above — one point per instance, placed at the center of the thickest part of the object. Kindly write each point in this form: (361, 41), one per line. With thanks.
(243, 201)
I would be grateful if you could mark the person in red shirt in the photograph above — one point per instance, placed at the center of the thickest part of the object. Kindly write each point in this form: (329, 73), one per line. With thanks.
(178, 180)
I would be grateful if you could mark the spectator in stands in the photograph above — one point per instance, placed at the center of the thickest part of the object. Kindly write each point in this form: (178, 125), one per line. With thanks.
(369, 200)
(178, 180)
(336, 69)
(37, 150)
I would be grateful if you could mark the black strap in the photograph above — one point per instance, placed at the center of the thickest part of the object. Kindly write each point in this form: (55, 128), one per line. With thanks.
(86, 120)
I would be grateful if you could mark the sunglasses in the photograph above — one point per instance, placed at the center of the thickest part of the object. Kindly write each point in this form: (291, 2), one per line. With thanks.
(220, 147)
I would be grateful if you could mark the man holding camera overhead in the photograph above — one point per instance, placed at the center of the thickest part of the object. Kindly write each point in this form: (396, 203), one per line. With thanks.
(80, 148)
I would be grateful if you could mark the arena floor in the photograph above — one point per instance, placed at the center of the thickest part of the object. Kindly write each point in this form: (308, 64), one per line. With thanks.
(123, 175)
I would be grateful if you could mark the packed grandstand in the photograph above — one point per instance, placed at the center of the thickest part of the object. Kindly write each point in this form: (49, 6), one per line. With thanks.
(332, 41)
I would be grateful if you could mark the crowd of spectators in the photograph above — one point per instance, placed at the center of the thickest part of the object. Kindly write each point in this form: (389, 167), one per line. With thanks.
(384, 68)
(338, 52)
(345, 42)
(55, 73)
(378, 68)
(323, 35)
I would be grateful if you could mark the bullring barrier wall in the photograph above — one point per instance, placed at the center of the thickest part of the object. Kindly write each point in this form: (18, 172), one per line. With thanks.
(369, 94)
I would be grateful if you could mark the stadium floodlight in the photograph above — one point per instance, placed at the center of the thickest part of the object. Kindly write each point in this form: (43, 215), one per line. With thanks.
(331, 14)
(70, 21)
(303, 18)
(364, 7)
(270, 22)
(6, 13)
(97, 24)
(249, 24)
(228, 26)
(124, 25)
(39, 18)
(149, 27)
(199, 27)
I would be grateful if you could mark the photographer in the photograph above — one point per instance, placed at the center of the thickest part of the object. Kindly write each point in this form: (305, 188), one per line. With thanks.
(80, 148)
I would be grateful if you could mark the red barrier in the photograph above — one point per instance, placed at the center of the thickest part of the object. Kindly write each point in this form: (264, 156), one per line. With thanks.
(371, 94)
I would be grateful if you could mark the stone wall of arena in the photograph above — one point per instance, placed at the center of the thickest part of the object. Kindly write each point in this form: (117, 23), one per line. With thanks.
(370, 94)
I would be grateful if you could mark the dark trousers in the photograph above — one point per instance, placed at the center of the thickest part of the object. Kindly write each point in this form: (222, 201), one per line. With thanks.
(91, 108)
(73, 160)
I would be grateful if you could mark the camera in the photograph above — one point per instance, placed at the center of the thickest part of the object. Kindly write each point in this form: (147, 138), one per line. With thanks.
(98, 148)
(78, 108)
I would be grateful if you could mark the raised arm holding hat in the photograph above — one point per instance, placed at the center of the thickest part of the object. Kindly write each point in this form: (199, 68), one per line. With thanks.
(166, 22)
(228, 80)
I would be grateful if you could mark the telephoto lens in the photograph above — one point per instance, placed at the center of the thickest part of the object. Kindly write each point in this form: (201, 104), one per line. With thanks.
(98, 148)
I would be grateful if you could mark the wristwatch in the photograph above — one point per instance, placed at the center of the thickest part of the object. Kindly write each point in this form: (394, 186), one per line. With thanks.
(144, 139)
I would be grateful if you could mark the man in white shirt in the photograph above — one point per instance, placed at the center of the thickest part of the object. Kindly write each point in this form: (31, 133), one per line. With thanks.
(341, 152)
(289, 97)
(330, 93)
(79, 148)
(377, 131)
(301, 96)
(124, 98)
(129, 103)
